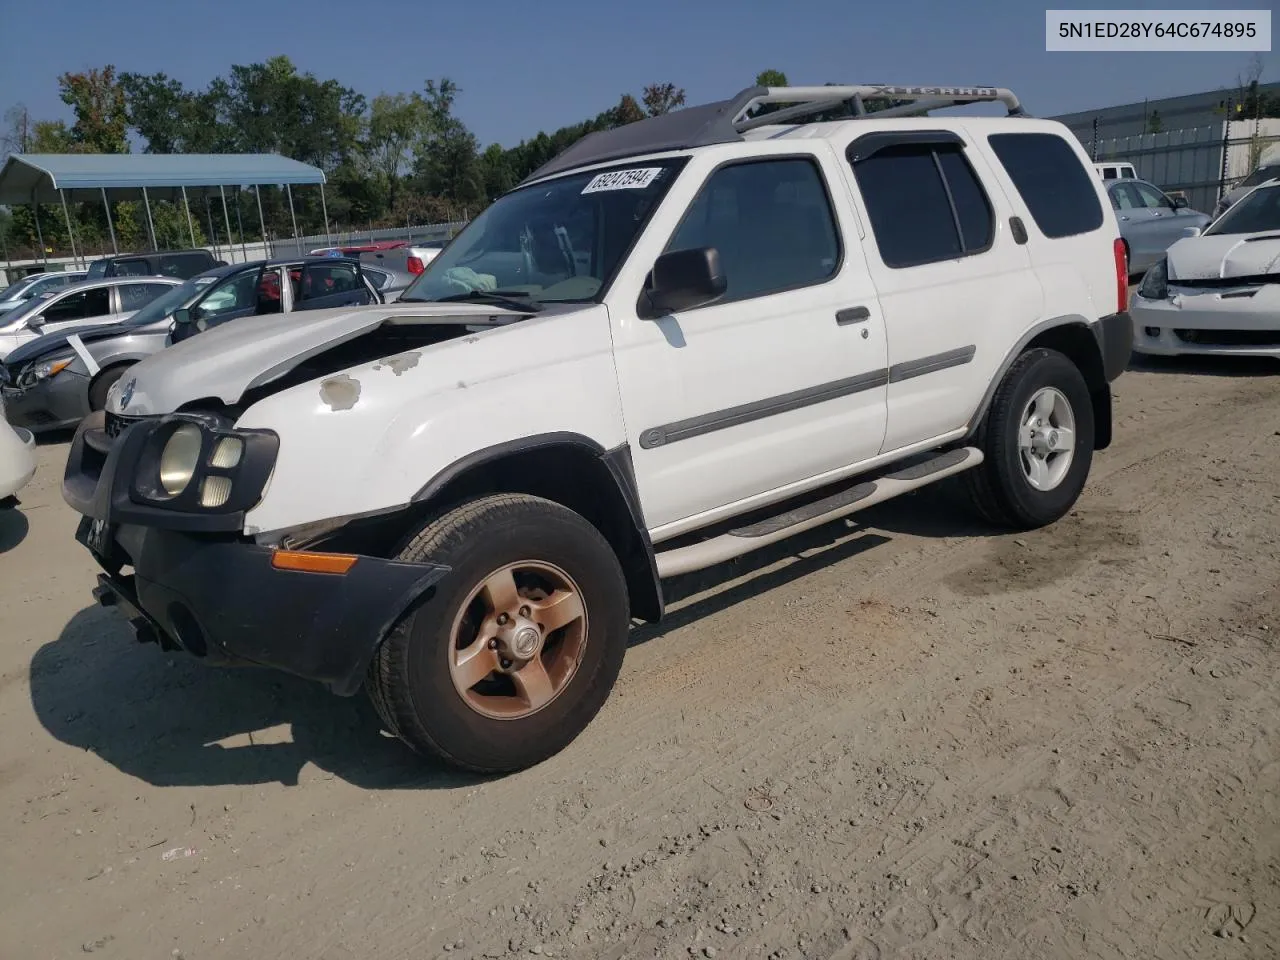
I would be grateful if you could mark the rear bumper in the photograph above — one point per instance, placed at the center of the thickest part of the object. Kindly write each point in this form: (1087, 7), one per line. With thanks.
(225, 602)
(17, 458)
(1115, 340)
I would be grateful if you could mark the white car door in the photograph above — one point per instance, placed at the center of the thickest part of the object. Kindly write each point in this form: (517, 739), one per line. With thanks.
(782, 380)
(951, 267)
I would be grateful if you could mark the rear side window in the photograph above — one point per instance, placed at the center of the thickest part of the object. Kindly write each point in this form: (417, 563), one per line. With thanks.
(133, 268)
(327, 280)
(184, 266)
(135, 296)
(925, 204)
(1052, 181)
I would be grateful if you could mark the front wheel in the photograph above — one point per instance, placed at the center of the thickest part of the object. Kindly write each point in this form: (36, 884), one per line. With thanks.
(102, 385)
(1038, 439)
(518, 647)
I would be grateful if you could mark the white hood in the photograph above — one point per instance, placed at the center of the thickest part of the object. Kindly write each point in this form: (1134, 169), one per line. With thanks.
(252, 351)
(1225, 256)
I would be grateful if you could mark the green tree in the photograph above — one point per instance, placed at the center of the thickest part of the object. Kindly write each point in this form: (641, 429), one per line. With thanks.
(396, 123)
(97, 98)
(771, 78)
(660, 98)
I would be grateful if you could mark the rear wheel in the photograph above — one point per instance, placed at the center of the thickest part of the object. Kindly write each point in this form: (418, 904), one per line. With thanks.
(518, 647)
(1038, 439)
(102, 383)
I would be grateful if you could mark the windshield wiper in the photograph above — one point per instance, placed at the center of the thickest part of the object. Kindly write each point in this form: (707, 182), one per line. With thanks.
(501, 298)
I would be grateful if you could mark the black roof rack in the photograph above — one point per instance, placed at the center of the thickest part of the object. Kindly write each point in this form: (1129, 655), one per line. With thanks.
(726, 120)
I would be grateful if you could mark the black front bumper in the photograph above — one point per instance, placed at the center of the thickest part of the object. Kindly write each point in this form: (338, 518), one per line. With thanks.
(221, 597)
(1115, 340)
(58, 402)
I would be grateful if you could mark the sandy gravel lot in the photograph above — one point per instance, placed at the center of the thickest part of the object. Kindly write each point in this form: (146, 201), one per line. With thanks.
(901, 738)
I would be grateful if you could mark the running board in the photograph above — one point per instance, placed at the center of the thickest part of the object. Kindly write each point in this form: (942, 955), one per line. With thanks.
(743, 540)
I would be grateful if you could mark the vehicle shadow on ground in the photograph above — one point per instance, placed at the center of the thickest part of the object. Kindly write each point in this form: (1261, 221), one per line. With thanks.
(14, 527)
(1205, 366)
(930, 512)
(171, 721)
(51, 438)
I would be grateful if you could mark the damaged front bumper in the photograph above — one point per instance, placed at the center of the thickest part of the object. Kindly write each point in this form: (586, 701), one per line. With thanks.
(1239, 320)
(224, 598)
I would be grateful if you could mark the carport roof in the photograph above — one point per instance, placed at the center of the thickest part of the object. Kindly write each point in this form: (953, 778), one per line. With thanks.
(39, 176)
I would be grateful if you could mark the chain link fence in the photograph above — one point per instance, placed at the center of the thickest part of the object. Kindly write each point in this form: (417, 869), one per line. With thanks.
(423, 233)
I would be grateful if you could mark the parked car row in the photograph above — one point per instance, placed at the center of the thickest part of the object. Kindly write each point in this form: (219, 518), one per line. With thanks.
(58, 368)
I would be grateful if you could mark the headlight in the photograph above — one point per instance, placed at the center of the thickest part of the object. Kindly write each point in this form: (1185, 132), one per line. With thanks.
(43, 371)
(1155, 285)
(180, 458)
(198, 464)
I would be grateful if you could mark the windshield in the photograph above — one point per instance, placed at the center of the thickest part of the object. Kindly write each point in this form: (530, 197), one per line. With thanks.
(1256, 213)
(559, 241)
(1261, 175)
(96, 269)
(162, 306)
(14, 317)
(23, 285)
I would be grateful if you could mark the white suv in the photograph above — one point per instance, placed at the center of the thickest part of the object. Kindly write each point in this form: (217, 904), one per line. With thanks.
(677, 342)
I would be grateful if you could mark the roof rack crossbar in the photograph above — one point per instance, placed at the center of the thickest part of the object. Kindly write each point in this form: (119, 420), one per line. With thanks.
(810, 100)
(726, 120)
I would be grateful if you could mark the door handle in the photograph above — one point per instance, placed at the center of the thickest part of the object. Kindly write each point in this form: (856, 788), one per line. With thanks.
(852, 315)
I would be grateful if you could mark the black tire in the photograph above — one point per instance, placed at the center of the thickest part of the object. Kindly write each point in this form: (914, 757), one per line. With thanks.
(103, 382)
(999, 488)
(409, 680)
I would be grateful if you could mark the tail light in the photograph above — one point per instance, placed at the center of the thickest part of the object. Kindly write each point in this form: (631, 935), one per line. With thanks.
(415, 265)
(1122, 277)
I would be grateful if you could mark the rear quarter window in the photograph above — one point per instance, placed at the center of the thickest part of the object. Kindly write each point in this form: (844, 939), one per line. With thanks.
(184, 266)
(1057, 189)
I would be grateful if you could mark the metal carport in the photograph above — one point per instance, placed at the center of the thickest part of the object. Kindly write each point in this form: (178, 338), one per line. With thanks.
(35, 178)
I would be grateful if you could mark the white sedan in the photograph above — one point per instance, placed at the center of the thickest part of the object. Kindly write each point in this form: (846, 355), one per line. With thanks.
(1217, 293)
(17, 459)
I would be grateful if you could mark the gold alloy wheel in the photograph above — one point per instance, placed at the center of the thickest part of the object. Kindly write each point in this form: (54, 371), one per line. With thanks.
(518, 639)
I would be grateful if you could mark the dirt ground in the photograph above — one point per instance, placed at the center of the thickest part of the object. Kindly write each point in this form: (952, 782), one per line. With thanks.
(905, 738)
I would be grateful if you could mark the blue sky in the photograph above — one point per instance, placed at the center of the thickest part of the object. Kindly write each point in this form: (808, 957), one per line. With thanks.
(526, 66)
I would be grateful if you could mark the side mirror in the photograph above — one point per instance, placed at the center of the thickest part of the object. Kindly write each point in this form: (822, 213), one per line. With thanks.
(683, 279)
(35, 322)
(1192, 231)
(1179, 203)
(182, 316)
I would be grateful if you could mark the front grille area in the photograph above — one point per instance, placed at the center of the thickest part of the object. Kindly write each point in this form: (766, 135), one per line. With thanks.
(117, 423)
(1230, 338)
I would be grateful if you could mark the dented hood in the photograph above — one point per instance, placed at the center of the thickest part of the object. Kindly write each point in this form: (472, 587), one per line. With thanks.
(235, 357)
(1225, 256)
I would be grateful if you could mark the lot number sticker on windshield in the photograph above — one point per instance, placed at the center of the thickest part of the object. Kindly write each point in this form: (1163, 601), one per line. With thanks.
(636, 179)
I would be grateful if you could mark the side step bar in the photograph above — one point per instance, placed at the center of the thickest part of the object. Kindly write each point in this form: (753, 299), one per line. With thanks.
(743, 540)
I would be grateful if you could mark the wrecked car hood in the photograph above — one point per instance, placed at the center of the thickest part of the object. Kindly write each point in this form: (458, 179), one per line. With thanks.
(1226, 256)
(249, 352)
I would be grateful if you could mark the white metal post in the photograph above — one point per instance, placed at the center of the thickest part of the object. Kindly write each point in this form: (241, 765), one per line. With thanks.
(266, 244)
(213, 234)
(150, 223)
(110, 226)
(293, 217)
(70, 233)
(191, 224)
(324, 207)
(231, 241)
(244, 250)
(35, 210)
